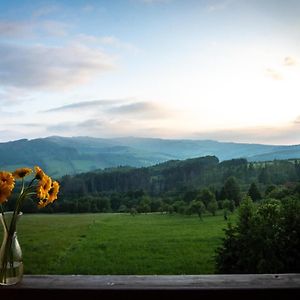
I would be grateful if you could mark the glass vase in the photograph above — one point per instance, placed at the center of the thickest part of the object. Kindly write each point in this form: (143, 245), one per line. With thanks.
(11, 259)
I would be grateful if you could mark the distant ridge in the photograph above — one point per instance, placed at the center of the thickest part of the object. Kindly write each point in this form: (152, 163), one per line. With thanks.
(70, 155)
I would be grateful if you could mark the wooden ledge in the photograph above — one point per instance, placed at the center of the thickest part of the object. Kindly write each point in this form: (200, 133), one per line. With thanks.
(77, 282)
(115, 286)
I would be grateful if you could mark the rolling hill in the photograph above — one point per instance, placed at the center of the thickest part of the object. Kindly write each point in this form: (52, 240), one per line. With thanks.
(71, 155)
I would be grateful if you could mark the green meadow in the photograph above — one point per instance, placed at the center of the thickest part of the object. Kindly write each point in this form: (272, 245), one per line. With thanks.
(119, 243)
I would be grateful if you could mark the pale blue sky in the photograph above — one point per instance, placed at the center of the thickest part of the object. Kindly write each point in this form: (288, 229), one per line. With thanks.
(217, 69)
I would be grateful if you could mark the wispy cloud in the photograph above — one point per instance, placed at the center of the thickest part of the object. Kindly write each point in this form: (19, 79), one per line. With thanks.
(111, 41)
(53, 28)
(45, 67)
(140, 109)
(120, 108)
(13, 29)
(108, 117)
(84, 105)
(33, 29)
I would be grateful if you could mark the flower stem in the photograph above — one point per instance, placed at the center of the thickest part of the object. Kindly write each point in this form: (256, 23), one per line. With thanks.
(4, 222)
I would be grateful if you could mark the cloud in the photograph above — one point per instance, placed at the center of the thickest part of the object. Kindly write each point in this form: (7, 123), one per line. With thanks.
(33, 29)
(54, 28)
(140, 109)
(111, 41)
(118, 108)
(289, 61)
(15, 29)
(286, 134)
(107, 117)
(95, 127)
(274, 74)
(102, 127)
(79, 106)
(13, 96)
(54, 68)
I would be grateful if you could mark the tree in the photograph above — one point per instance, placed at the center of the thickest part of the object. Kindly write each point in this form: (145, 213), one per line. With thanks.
(212, 207)
(245, 214)
(228, 205)
(144, 205)
(231, 190)
(266, 239)
(254, 192)
(198, 207)
(206, 196)
(180, 206)
(264, 176)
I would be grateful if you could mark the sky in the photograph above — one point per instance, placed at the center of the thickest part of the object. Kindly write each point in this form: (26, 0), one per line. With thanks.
(226, 70)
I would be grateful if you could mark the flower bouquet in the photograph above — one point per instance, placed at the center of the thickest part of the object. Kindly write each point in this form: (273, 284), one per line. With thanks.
(40, 188)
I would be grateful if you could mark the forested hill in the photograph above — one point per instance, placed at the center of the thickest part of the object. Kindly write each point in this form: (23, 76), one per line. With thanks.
(183, 186)
(178, 176)
(61, 155)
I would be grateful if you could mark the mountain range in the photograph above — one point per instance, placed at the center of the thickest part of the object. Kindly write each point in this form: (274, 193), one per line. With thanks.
(70, 155)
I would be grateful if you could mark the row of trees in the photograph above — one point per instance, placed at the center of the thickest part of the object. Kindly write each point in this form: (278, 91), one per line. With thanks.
(178, 176)
(186, 187)
(186, 201)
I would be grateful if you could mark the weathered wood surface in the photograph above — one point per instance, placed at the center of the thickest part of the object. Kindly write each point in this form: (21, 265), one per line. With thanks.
(161, 282)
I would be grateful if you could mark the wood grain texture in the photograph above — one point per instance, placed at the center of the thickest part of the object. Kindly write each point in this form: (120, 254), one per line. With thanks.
(175, 282)
(186, 287)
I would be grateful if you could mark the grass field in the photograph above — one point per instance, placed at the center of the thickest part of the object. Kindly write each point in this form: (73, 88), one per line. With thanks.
(119, 243)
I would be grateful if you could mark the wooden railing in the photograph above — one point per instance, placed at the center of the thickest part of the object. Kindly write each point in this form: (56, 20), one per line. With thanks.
(246, 286)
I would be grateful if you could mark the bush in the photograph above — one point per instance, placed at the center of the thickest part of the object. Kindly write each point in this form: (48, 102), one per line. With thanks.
(266, 239)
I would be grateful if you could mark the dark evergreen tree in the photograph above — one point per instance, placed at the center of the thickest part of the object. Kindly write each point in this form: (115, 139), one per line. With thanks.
(232, 190)
(254, 192)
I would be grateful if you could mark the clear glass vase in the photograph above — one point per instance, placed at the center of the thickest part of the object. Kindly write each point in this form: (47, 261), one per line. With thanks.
(11, 259)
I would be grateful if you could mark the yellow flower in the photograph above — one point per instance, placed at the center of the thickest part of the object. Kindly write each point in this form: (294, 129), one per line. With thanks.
(39, 173)
(43, 187)
(7, 179)
(53, 192)
(42, 203)
(21, 172)
(4, 193)
(7, 183)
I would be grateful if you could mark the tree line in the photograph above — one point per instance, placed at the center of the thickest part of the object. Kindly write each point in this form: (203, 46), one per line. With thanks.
(192, 186)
